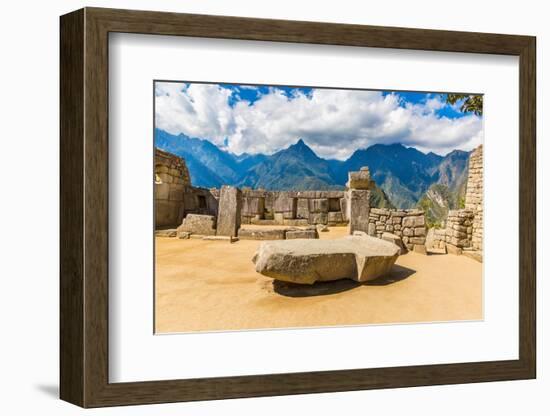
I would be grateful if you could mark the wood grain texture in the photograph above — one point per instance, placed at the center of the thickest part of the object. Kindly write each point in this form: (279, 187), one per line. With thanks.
(84, 207)
(71, 185)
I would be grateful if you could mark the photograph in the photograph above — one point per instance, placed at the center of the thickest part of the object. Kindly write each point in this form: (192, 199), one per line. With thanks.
(302, 207)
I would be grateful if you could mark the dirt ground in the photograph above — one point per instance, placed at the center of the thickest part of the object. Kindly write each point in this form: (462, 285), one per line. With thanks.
(212, 286)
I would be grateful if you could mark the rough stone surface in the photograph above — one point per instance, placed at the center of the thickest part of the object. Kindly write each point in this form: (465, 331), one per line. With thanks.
(296, 223)
(284, 207)
(318, 205)
(335, 218)
(318, 218)
(395, 239)
(259, 234)
(229, 211)
(174, 195)
(359, 207)
(359, 258)
(166, 233)
(198, 224)
(458, 232)
(229, 239)
(474, 197)
(360, 180)
(452, 249)
(294, 234)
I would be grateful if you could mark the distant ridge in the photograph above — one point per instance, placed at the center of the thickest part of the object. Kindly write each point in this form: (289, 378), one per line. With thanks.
(403, 174)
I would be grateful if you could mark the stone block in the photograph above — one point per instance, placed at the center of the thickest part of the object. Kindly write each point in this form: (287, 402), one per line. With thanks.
(288, 215)
(359, 207)
(229, 211)
(420, 231)
(302, 208)
(227, 238)
(344, 208)
(335, 218)
(284, 203)
(253, 206)
(380, 211)
(371, 230)
(318, 218)
(176, 192)
(395, 239)
(162, 169)
(452, 249)
(183, 235)
(278, 218)
(360, 180)
(165, 177)
(168, 213)
(359, 258)
(297, 222)
(294, 234)
(166, 233)
(262, 234)
(198, 224)
(162, 190)
(318, 205)
(414, 221)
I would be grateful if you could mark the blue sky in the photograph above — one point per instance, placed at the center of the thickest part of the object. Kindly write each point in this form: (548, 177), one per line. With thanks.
(333, 122)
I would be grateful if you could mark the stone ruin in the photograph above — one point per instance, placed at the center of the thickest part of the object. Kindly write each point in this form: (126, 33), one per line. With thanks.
(474, 197)
(405, 228)
(293, 208)
(463, 232)
(377, 236)
(175, 198)
(220, 212)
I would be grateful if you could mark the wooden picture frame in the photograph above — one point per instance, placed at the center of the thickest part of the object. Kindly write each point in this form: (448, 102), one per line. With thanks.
(84, 207)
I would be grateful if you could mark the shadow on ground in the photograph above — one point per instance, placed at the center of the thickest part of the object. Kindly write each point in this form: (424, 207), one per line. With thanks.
(294, 290)
(51, 390)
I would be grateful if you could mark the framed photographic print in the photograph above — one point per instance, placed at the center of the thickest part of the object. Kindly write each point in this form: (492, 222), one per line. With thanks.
(255, 207)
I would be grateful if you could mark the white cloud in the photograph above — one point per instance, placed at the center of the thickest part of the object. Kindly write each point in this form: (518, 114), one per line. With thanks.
(333, 122)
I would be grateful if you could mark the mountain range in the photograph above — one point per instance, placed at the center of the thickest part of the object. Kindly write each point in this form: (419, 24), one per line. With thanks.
(405, 176)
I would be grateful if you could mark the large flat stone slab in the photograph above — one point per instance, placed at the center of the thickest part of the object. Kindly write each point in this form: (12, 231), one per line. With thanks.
(358, 258)
(295, 234)
(262, 234)
(198, 224)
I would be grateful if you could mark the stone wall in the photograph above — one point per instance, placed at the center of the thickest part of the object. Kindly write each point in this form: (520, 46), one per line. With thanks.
(174, 195)
(458, 233)
(293, 208)
(408, 224)
(474, 196)
(436, 238)
(358, 200)
(171, 178)
(464, 227)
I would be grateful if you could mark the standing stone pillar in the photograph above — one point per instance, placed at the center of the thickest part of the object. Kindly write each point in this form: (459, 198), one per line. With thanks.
(229, 211)
(358, 195)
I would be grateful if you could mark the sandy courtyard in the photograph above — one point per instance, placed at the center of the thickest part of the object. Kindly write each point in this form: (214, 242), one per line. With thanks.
(212, 285)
